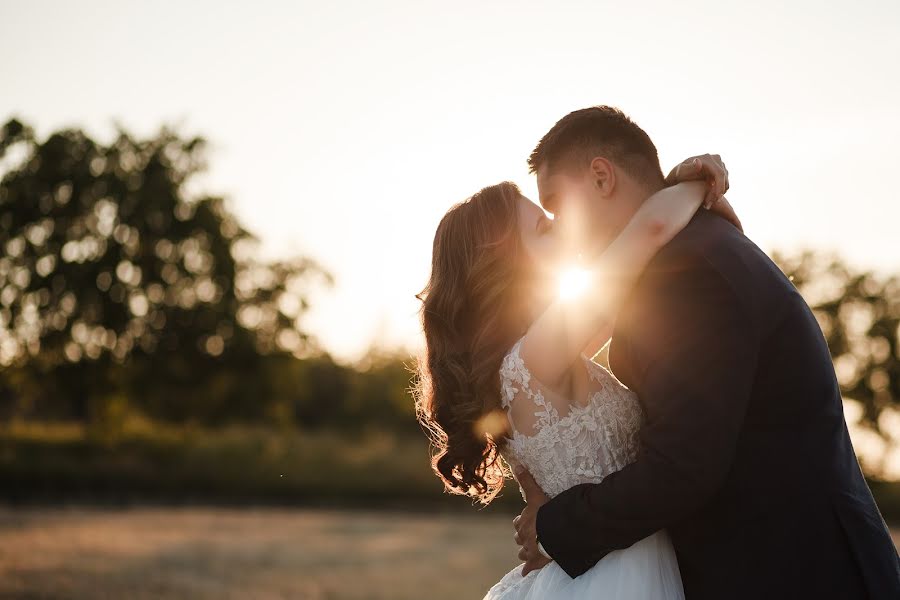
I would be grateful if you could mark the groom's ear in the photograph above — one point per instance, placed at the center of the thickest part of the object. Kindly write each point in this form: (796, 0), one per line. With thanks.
(603, 175)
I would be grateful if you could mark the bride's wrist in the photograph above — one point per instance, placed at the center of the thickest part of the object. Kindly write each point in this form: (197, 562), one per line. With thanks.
(540, 548)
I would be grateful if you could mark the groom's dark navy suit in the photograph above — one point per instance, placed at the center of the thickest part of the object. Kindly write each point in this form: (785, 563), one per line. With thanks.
(745, 457)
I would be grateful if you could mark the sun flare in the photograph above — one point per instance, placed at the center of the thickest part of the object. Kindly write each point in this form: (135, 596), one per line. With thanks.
(573, 281)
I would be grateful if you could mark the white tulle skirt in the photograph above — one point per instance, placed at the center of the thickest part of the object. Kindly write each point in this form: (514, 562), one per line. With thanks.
(648, 570)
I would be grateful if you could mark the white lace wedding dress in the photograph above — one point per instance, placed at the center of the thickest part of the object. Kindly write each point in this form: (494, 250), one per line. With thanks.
(565, 444)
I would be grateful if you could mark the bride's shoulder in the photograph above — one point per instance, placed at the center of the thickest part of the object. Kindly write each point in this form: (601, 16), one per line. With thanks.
(513, 366)
(514, 354)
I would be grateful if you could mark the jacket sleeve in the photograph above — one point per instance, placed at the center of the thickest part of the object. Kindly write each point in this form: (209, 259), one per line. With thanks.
(694, 352)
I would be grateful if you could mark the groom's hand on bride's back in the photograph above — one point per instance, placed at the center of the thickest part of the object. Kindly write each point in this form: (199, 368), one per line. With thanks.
(526, 523)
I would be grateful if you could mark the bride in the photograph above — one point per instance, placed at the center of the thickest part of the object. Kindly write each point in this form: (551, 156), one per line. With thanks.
(508, 374)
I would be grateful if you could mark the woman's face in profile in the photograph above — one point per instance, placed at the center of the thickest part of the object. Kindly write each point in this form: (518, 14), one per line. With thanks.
(539, 236)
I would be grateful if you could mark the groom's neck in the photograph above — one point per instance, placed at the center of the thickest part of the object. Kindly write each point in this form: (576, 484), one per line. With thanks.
(648, 189)
(636, 195)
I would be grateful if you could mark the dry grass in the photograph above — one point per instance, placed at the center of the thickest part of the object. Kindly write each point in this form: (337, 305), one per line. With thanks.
(201, 553)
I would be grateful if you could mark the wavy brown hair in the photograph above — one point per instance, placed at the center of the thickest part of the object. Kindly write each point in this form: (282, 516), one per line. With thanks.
(474, 308)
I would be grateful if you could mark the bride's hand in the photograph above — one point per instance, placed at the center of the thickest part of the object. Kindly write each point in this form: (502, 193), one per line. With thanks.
(526, 523)
(707, 167)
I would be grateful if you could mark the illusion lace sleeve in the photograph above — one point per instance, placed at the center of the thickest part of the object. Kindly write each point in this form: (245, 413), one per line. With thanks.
(563, 442)
(529, 404)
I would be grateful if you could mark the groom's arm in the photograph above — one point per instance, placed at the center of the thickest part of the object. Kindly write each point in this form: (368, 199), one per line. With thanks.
(694, 351)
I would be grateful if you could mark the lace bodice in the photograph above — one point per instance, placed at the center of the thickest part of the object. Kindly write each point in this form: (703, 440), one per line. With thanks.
(569, 442)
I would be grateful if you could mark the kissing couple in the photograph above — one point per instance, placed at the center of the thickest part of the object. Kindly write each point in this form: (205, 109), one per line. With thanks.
(713, 461)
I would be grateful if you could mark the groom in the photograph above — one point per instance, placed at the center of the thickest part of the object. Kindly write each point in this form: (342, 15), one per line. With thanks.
(745, 457)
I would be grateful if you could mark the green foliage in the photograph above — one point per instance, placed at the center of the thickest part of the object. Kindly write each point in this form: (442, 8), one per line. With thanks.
(243, 464)
(120, 291)
(859, 313)
(236, 463)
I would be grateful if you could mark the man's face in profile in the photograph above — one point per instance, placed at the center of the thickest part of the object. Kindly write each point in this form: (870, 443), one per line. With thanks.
(577, 206)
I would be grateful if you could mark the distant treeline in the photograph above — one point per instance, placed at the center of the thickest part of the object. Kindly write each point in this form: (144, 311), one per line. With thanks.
(121, 294)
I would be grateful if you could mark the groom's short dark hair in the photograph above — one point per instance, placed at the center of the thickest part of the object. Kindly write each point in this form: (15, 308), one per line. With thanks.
(599, 131)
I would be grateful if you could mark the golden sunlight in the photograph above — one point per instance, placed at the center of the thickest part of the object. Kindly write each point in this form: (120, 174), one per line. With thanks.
(573, 281)
(493, 424)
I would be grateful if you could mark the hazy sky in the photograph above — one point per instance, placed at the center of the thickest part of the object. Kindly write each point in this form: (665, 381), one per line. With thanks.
(344, 130)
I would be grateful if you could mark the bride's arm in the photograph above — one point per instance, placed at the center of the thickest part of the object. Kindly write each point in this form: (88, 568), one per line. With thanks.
(557, 338)
(709, 168)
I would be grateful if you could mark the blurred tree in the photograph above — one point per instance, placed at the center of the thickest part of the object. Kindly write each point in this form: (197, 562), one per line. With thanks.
(121, 291)
(859, 313)
(121, 286)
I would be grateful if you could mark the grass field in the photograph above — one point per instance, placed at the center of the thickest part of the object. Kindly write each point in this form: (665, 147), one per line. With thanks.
(204, 553)
(201, 553)
(198, 552)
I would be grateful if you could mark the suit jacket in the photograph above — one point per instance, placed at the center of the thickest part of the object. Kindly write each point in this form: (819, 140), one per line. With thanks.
(745, 456)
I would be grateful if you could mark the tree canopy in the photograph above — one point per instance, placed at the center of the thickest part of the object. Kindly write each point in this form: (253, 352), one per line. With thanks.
(117, 286)
(859, 313)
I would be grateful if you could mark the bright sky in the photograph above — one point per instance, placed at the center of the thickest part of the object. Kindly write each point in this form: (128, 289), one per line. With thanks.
(344, 130)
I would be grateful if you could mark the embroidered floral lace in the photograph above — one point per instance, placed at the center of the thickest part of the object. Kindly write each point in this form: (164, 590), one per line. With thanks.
(567, 443)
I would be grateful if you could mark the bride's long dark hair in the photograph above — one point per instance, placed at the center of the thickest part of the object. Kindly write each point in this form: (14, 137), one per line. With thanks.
(474, 308)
